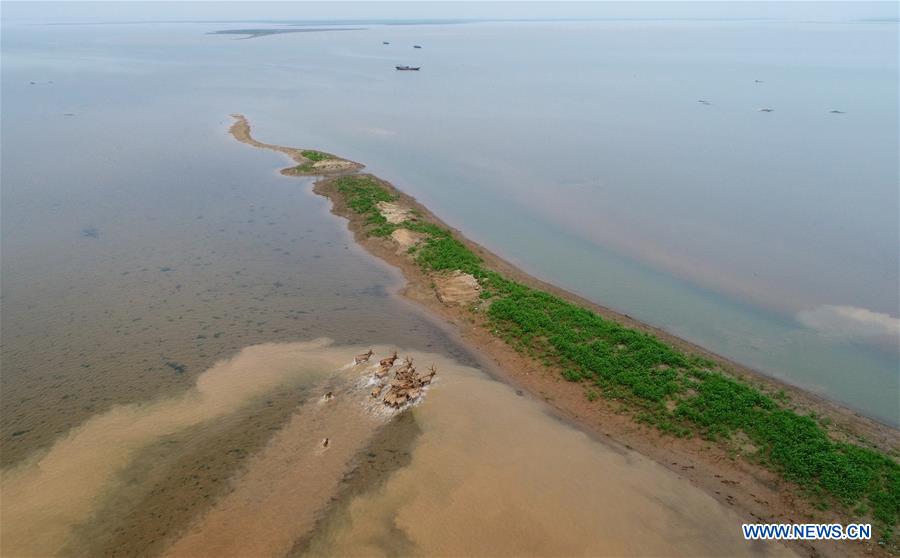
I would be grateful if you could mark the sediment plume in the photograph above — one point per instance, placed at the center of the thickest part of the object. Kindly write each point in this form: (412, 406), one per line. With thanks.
(45, 497)
(287, 485)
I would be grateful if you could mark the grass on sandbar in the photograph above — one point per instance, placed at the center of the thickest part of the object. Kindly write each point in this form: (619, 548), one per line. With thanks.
(315, 156)
(362, 194)
(679, 394)
(312, 157)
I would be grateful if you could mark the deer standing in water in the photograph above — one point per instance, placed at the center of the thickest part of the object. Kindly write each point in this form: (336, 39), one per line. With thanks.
(359, 359)
(389, 361)
(428, 377)
(407, 363)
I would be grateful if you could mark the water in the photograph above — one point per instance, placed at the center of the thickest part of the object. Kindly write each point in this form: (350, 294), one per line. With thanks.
(462, 495)
(141, 244)
(578, 150)
(581, 153)
(541, 487)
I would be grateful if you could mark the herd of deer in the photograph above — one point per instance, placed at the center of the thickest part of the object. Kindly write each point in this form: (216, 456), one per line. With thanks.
(407, 383)
(404, 388)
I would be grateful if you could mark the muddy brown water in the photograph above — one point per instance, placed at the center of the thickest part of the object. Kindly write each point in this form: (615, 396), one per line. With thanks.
(490, 473)
(493, 474)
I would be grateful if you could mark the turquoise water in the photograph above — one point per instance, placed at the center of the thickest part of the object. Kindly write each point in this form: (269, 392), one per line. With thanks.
(578, 150)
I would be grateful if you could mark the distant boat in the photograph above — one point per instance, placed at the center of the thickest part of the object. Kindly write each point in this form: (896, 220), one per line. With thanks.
(408, 68)
(703, 102)
(417, 46)
(385, 43)
(758, 81)
(837, 112)
(766, 109)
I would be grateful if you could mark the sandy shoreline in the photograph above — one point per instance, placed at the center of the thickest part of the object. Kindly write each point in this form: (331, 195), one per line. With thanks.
(755, 492)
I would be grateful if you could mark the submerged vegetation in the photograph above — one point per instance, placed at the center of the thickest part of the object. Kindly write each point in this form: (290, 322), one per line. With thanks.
(680, 394)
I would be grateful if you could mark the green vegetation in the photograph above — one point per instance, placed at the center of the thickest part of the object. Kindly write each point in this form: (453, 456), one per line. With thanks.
(315, 156)
(362, 194)
(679, 394)
(445, 253)
(312, 157)
(305, 167)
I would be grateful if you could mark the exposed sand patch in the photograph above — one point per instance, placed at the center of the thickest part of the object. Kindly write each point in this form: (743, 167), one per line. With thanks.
(406, 239)
(333, 165)
(395, 213)
(48, 495)
(241, 132)
(456, 288)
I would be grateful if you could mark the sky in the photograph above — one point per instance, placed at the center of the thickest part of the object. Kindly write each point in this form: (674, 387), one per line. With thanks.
(69, 11)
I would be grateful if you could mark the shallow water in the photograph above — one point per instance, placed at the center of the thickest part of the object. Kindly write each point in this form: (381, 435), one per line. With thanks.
(47, 496)
(141, 246)
(201, 250)
(578, 150)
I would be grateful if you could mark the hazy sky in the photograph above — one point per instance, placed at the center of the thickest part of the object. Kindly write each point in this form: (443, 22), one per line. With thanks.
(138, 10)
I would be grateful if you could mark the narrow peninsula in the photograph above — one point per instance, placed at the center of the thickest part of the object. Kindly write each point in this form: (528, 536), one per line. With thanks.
(774, 452)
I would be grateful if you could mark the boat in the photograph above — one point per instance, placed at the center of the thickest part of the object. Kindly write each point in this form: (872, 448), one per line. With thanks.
(408, 68)
(385, 43)
(417, 46)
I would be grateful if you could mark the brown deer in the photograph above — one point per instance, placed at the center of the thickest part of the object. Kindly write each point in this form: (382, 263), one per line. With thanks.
(407, 364)
(359, 359)
(389, 361)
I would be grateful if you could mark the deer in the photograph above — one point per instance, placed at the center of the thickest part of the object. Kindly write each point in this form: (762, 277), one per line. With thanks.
(359, 359)
(389, 361)
(432, 371)
(407, 363)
